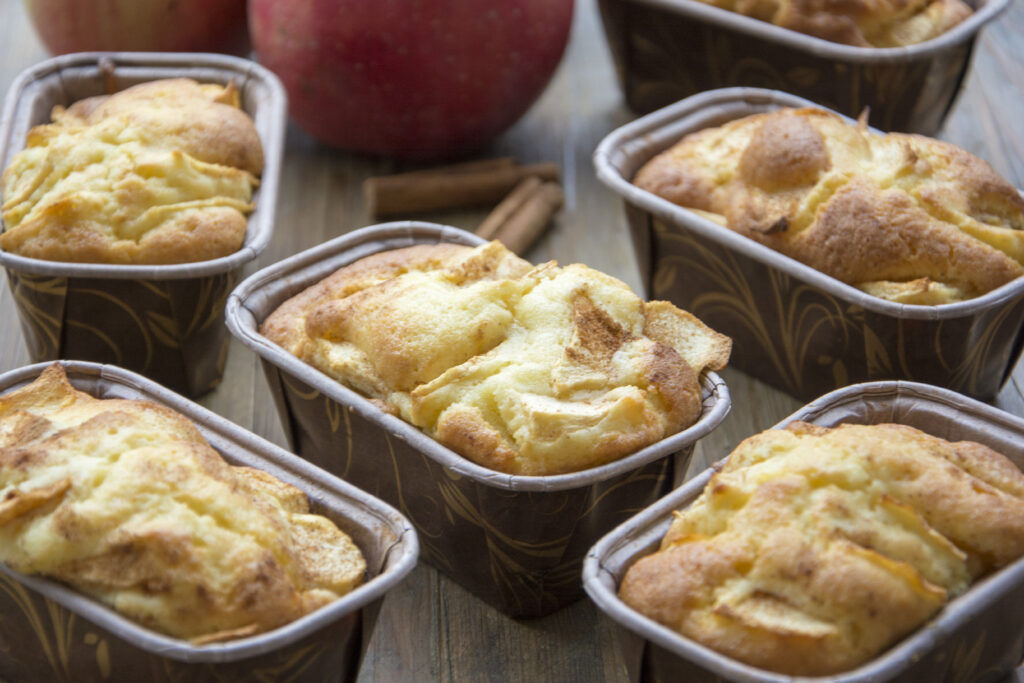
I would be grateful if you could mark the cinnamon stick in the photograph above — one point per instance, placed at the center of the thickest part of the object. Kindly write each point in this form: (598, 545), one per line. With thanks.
(507, 208)
(523, 216)
(473, 184)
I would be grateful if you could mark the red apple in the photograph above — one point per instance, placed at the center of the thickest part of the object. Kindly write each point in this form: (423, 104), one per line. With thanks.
(140, 25)
(410, 78)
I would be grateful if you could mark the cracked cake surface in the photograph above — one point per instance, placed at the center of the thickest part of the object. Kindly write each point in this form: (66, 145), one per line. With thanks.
(862, 23)
(813, 549)
(160, 173)
(127, 502)
(902, 217)
(524, 369)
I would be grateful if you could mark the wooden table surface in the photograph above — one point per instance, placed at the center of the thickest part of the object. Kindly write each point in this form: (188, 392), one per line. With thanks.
(429, 628)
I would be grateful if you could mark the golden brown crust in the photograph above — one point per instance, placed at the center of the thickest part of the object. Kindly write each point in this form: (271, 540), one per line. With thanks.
(527, 370)
(354, 277)
(903, 217)
(203, 120)
(187, 237)
(126, 501)
(863, 23)
(160, 173)
(896, 242)
(784, 152)
(814, 549)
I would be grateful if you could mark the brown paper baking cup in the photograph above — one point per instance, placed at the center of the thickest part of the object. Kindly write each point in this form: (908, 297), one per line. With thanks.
(976, 637)
(793, 326)
(165, 322)
(50, 632)
(515, 541)
(665, 50)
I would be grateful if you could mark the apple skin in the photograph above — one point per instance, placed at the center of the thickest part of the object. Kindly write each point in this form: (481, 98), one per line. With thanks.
(416, 79)
(140, 25)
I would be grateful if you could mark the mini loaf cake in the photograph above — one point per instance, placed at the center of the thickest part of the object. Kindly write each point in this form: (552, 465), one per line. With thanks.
(815, 549)
(902, 217)
(863, 23)
(125, 501)
(522, 369)
(159, 173)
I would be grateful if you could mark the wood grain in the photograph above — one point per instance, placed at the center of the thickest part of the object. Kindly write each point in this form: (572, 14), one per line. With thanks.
(430, 629)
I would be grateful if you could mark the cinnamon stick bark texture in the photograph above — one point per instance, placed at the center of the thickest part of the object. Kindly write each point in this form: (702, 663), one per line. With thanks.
(524, 215)
(507, 208)
(469, 184)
